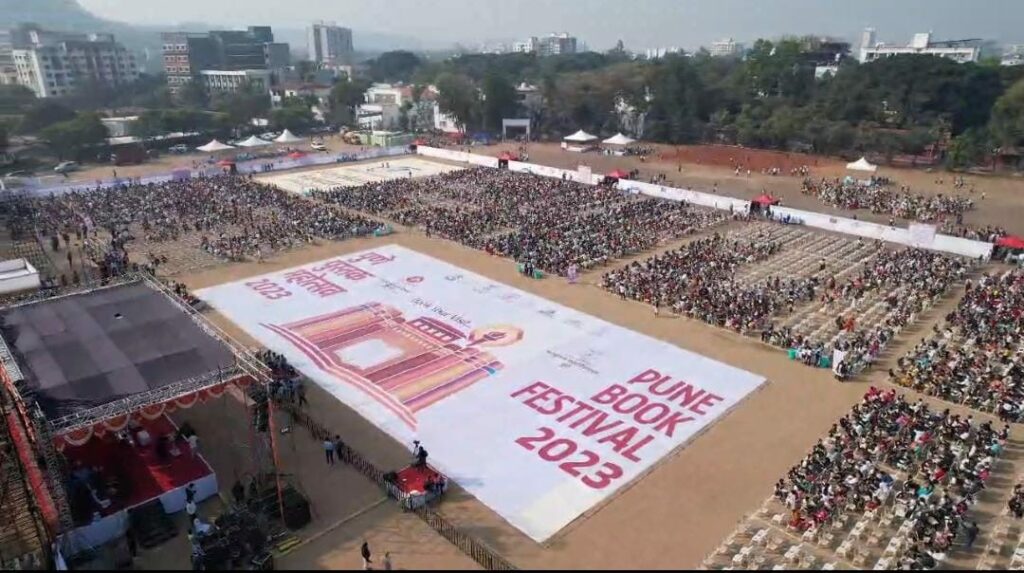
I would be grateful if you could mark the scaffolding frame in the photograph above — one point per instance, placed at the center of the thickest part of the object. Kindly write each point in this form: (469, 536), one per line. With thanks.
(246, 364)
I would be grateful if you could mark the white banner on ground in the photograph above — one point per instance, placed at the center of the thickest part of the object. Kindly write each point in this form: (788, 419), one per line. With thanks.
(538, 410)
(921, 235)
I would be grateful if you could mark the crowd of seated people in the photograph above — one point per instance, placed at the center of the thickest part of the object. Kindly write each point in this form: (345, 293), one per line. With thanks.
(698, 280)
(907, 282)
(974, 358)
(549, 223)
(880, 199)
(889, 452)
(233, 217)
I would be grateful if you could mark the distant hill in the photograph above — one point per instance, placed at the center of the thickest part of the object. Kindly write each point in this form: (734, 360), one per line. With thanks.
(69, 15)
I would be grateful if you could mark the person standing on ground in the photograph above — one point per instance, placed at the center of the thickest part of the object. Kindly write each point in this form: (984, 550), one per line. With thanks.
(339, 447)
(386, 563)
(193, 444)
(329, 451)
(971, 531)
(365, 552)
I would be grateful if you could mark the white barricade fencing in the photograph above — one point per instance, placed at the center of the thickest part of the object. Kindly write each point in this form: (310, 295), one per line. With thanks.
(457, 156)
(899, 235)
(847, 226)
(687, 195)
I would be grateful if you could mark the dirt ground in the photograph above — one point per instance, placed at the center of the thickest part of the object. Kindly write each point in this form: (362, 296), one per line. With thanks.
(670, 518)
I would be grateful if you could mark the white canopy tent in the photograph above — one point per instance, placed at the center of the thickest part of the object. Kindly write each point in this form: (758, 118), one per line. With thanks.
(253, 141)
(580, 137)
(214, 145)
(288, 137)
(862, 164)
(619, 139)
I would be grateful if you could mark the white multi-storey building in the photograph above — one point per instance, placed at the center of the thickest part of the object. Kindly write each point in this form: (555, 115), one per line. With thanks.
(657, 53)
(527, 46)
(1013, 55)
(234, 80)
(555, 44)
(726, 48)
(330, 44)
(550, 45)
(958, 51)
(55, 64)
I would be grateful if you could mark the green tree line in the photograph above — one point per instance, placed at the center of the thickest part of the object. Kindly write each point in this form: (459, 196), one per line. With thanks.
(769, 98)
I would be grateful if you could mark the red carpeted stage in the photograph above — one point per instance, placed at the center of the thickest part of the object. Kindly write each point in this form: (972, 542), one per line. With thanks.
(135, 473)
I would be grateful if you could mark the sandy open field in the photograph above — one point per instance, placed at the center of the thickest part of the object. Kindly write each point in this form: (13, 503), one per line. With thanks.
(671, 518)
(356, 174)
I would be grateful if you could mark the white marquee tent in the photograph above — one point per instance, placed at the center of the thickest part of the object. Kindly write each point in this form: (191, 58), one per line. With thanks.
(288, 137)
(619, 139)
(214, 145)
(253, 141)
(862, 164)
(580, 137)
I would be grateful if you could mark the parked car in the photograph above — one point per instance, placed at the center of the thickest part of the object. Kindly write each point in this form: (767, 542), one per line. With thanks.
(66, 166)
(269, 135)
(180, 148)
(318, 146)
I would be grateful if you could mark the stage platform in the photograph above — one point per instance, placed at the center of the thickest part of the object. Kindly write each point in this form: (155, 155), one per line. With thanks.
(85, 350)
(137, 475)
(139, 472)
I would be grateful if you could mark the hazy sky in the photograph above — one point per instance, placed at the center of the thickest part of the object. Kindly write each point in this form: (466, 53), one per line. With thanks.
(639, 23)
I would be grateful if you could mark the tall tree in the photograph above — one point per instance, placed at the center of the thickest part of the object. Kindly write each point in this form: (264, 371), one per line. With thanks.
(241, 106)
(1008, 117)
(346, 95)
(15, 99)
(294, 115)
(43, 113)
(971, 147)
(396, 66)
(194, 94)
(72, 138)
(499, 100)
(458, 97)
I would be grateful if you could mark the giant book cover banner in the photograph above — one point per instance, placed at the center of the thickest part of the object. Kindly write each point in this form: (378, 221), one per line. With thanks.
(538, 410)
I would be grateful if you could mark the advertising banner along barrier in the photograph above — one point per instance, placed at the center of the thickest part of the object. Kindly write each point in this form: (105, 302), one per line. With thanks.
(538, 410)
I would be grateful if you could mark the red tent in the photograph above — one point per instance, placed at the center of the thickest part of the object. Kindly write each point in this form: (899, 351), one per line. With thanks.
(619, 174)
(296, 155)
(765, 200)
(419, 142)
(508, 156)
(1010, 242)
(225, 163)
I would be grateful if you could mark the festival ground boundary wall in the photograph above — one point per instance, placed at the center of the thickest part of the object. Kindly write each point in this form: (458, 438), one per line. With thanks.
(900, 235)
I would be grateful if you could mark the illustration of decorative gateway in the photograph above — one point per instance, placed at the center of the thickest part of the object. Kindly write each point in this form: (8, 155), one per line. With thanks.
(404, 365)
